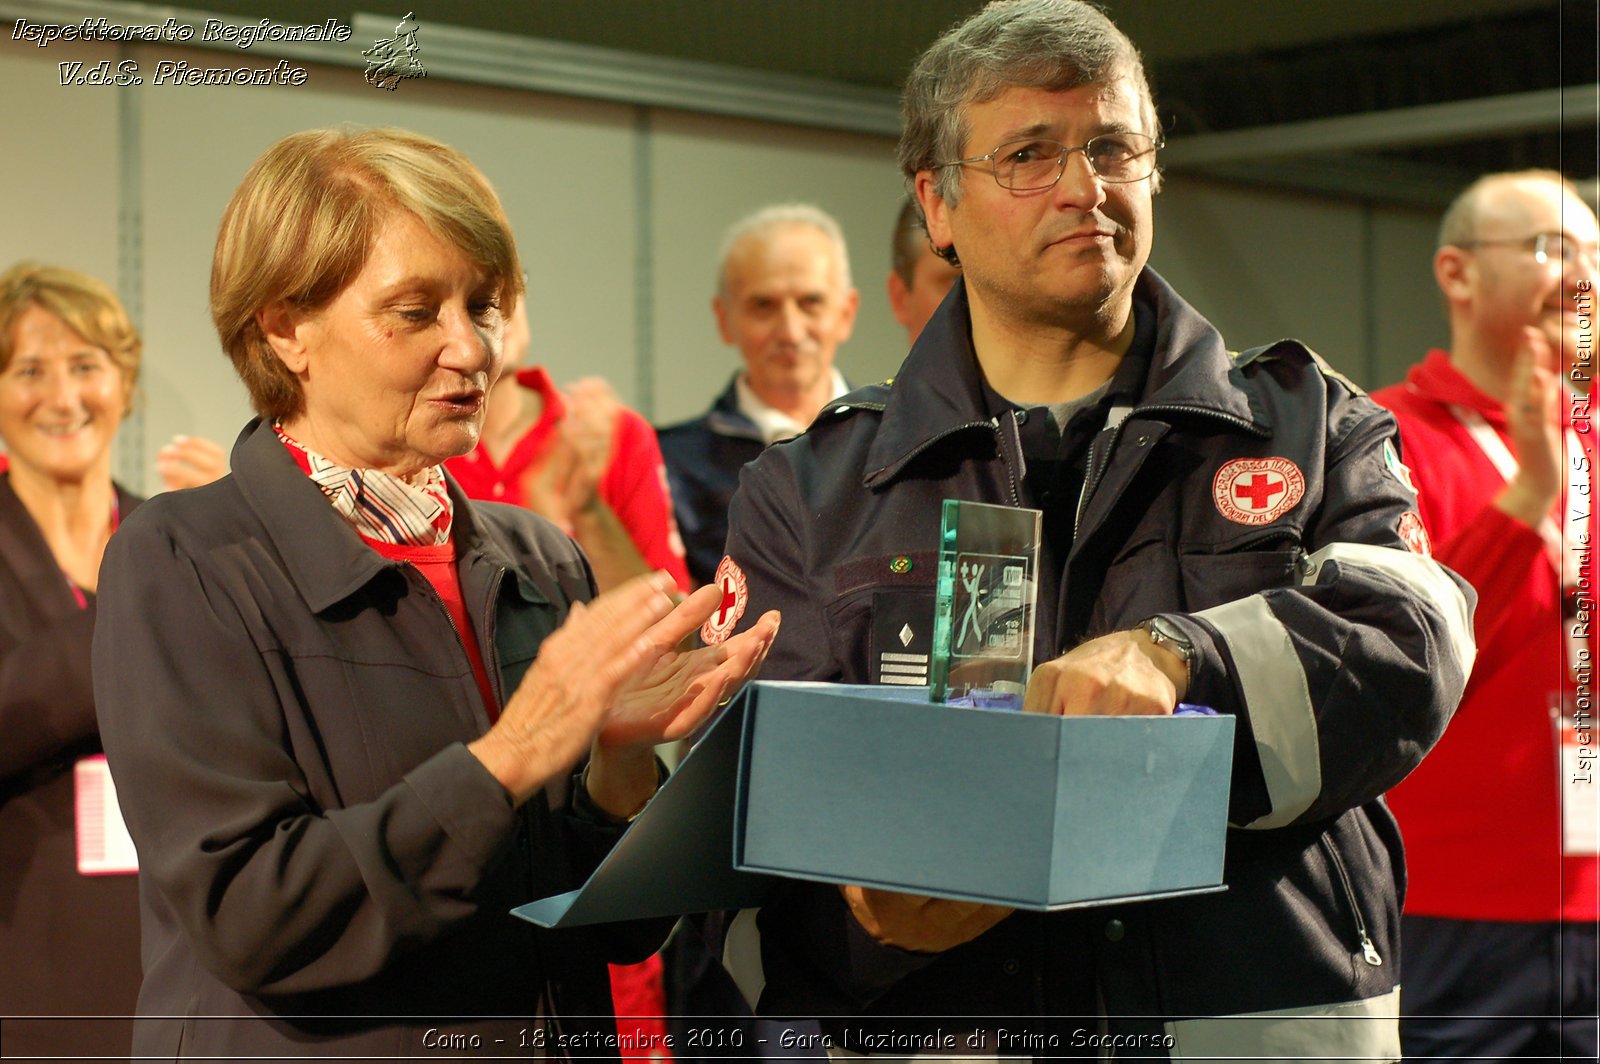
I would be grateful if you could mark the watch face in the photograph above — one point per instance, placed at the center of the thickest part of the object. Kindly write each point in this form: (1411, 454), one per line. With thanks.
(1163, 632)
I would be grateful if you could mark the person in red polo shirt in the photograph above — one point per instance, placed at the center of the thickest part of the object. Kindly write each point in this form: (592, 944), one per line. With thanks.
(1499, 822)
(580, 459)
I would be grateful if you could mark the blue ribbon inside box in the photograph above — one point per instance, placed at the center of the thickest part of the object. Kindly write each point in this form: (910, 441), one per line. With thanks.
(875, 785)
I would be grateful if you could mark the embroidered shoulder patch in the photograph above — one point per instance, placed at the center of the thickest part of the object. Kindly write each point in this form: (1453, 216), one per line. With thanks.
(735, 597)
(1414, 534)
(1257, 491)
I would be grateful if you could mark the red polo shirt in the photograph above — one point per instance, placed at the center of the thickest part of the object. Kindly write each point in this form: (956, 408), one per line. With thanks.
(634, 484)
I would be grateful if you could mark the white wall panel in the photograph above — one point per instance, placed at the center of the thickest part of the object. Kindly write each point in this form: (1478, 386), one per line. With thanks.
(1352, 282)
(1262, 267)
(60, 173)
(562, 167)
(1407, 307)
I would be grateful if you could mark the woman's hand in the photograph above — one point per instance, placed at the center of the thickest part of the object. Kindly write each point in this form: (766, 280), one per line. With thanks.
(553, 715)
(670, 699)
(190, 461)
(558, 486)
(563, 483)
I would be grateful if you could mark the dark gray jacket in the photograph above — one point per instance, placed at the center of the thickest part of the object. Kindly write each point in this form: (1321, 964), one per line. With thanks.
(56, 962)
(284, 711)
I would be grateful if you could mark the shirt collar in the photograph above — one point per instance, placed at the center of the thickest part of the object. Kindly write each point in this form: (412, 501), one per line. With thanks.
(1127, 381)
(379, 505)
(772, 423)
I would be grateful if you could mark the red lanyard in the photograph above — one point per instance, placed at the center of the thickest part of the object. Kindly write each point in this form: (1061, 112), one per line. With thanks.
(78, 595)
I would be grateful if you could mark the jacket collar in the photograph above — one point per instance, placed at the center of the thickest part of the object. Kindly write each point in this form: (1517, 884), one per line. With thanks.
(726, 419)
(1191, 371)
(325, 559)
(1437, 378)
(553, 406)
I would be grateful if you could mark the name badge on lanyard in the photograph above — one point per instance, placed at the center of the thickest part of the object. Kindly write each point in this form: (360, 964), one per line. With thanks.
(104, 846)
(1571, 713)
(1580, 794)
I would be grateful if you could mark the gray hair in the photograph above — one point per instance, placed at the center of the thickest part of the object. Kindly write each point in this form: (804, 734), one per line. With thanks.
(1460, 222)
(780, 216)
(1048, 44)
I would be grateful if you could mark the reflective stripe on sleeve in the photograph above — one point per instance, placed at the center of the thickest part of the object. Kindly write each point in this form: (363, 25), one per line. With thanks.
(1274, 684)
(1423, 576)
(1278, 702)
(1350, 1030)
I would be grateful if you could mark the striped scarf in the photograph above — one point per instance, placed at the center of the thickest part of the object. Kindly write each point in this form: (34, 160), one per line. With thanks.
(380, 505)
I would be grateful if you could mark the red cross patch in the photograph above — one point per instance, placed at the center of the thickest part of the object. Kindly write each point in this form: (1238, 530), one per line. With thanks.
(735, 597)
(1414, 534)
(1256, 491)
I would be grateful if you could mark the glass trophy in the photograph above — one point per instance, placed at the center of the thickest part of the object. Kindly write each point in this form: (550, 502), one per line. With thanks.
(983, 612)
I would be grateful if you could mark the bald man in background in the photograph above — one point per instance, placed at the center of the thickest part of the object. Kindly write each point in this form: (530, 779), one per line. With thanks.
(1498, 931)
(785, 301)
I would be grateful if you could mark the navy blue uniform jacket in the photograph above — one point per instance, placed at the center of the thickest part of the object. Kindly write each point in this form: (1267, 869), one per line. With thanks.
(1341, 652)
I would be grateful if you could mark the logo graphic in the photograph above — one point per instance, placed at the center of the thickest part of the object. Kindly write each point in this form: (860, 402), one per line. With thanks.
(393, 59)
(1414, 535)
(990, 598)
(1257, 491)
(735, 597)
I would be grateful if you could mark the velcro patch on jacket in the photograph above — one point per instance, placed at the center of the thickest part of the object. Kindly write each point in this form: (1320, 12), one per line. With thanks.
(902, 636)
(1397, 469)
(1257, 491)
(735, 597)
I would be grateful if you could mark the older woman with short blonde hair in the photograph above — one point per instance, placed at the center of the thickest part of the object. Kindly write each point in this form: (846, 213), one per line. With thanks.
(370, 716)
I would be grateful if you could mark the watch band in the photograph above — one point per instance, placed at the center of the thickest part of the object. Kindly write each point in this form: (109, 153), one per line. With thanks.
(1163, 633)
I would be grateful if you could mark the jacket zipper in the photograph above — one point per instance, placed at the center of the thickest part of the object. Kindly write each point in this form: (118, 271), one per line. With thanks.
(461, 642)
(1012, 479)
(1369, 952)
(1099, 459)
(496, 682)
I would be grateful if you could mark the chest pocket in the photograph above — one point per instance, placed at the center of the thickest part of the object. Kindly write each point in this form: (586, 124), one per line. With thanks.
(881, 618)
(521, 626)
(1211, 579)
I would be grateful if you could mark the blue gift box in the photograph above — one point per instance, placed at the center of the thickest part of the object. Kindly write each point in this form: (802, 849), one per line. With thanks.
(875, 785)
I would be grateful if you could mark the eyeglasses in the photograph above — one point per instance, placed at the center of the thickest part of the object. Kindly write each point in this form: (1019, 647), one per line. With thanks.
(1546, 248)
(1027, 165)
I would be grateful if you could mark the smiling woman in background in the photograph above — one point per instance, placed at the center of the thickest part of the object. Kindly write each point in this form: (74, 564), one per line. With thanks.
(69, 933)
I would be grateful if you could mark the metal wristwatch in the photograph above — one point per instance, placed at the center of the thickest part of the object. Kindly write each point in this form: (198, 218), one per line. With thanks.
(1163, 633)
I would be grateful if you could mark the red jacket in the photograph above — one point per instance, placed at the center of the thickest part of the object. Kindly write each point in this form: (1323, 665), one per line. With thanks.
(1481, 817)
